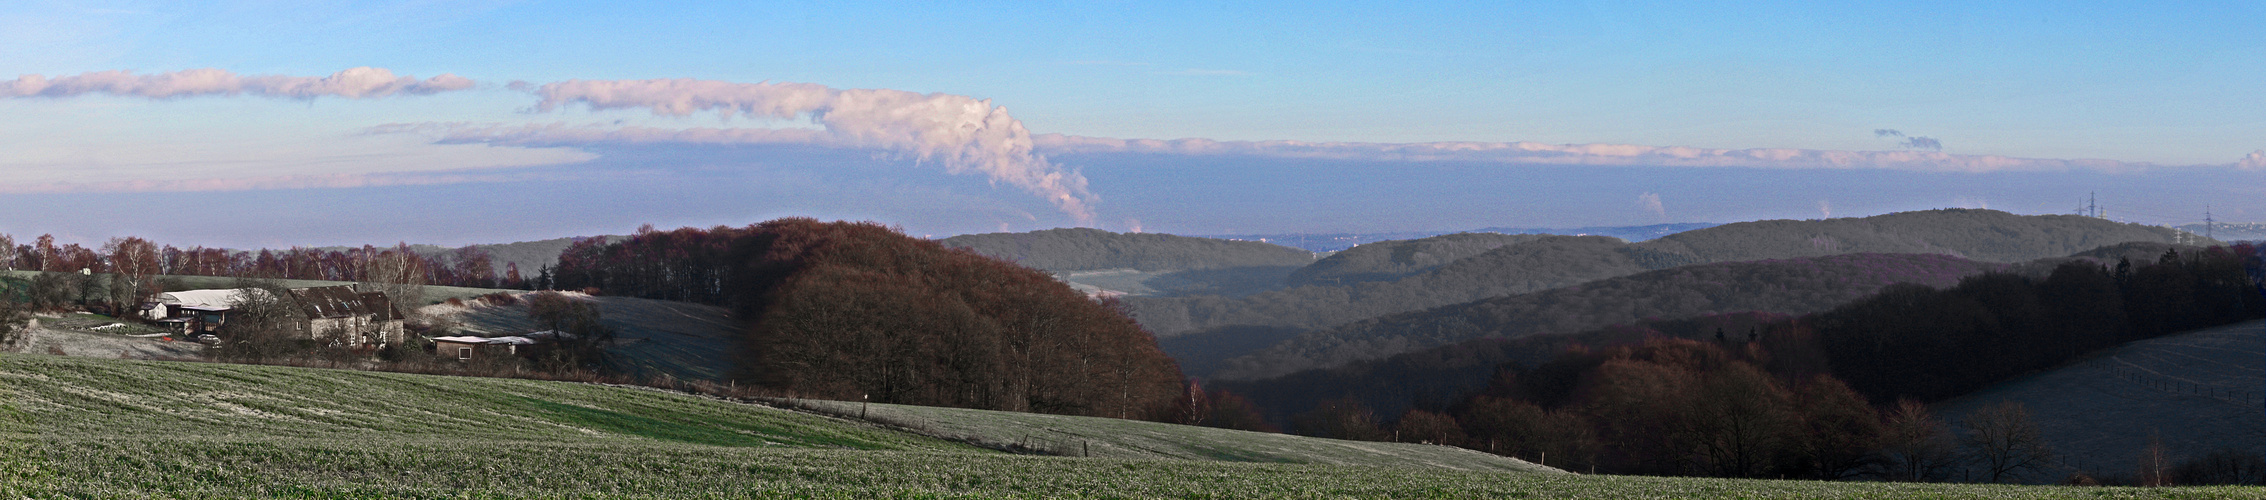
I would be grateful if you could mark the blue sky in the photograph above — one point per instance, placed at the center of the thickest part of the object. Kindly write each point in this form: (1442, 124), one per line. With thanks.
(2156, 104)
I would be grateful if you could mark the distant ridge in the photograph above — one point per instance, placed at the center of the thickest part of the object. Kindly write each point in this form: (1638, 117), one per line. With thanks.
(1332, 242)
(1086, 249)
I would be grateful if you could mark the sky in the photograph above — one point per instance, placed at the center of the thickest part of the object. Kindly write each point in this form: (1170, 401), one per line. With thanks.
(269, 124)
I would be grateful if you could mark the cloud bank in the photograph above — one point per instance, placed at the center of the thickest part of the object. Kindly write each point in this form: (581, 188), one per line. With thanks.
(1581, 154)
(963, 133)
(356, 83)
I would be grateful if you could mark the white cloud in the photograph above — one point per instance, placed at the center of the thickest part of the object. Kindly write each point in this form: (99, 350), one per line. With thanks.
(355, 83)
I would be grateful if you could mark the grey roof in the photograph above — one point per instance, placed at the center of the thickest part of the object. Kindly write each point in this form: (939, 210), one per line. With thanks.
(330, 302)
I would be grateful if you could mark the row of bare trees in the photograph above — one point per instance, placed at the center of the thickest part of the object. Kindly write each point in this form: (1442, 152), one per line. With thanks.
(467, 266)
(124, 271)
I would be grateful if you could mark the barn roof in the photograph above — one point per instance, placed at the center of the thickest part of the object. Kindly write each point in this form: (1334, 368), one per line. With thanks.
(221, 298)
(486, 340)
(329, 302)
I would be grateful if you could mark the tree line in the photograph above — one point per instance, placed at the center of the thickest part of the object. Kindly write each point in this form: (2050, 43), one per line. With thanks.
(125, 270)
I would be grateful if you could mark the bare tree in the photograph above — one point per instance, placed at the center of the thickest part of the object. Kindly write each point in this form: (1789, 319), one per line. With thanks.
(44, 248)
(1739, 422)
(1915, 446)
(400, 273)
(133, 264)
(2155, 463)
(2002, 439)
(7, 252)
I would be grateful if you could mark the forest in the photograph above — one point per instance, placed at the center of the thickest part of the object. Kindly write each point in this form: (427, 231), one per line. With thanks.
(858, 311)
(1790, 286)
(1830, 395)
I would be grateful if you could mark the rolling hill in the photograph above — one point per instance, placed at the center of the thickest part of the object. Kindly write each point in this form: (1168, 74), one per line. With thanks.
(244, 430)
(2196, 392)
(1534, 265)
(1105, 263)
(1981, 235)
(1392, 260)
(1791, 286)
(1519, 266)
(101, 428)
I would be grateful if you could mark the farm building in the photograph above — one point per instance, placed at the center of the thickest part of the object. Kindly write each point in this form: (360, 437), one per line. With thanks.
(339, 312)
(332, 312)
(468, 347)
(196, 311)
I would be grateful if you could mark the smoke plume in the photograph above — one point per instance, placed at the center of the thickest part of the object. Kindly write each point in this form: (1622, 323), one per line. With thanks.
(1650, 202)
(357, 83)
(964, 133)
(1910, 142)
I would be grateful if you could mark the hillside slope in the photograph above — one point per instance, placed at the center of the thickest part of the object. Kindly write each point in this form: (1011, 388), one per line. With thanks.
(1978, 235)
(1539, 264)
(2197, 392)
(97, 428)
(654, 337)
(1793, 286)
(1392, 260)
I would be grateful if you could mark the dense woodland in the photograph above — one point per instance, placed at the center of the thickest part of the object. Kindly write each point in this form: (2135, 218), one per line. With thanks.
(1084, 249)
(1791, 286)
(1753, 395)
(857, 310)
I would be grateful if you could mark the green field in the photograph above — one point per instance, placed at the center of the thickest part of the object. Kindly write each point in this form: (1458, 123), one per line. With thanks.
(1134, 439)
(102, 428)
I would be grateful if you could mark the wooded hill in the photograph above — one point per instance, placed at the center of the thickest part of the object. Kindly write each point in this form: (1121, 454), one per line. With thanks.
(1542, 263)
(856, 310)
(1538, 264)
(1791, 286)
(1983, 235)
(1085, 249)
(1393, 260)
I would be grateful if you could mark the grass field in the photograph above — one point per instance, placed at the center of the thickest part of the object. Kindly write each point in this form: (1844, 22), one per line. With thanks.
(2195, 392)
(1133, 439)
(101, 428)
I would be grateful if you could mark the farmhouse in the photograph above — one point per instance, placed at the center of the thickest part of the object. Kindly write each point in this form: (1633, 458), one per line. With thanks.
(330, 312)
(339, 312)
